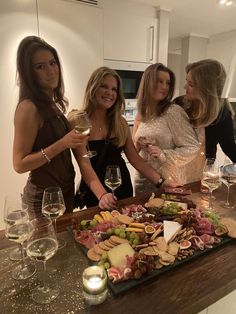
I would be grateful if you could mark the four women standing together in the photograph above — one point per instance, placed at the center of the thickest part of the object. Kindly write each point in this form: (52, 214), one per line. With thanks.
(169, 139)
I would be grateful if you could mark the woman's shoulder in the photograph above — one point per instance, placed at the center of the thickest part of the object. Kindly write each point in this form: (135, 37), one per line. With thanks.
(27, 107)
(174, 108)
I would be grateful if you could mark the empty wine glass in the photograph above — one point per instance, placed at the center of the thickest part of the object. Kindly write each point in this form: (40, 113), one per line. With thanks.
(83, 125)
(228, 177)
(41, 246)
(53, 206)
(113, 177)
(18, 228)
(211, 177)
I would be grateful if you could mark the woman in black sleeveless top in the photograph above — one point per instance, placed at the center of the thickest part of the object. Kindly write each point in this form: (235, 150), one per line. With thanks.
(43, 139)
(110, 135)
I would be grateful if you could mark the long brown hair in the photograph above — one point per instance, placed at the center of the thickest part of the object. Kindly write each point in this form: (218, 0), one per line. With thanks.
(114, 114)
(145, 104)
(28, 85)
(208, 78)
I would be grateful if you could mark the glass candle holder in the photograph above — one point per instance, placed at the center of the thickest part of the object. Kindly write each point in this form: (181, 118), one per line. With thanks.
(94, 285)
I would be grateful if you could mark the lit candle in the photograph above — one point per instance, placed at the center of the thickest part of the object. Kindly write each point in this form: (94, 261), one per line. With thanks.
(94, 284)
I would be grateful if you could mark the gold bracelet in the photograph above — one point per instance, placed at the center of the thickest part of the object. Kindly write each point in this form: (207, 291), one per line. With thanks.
(45, 155)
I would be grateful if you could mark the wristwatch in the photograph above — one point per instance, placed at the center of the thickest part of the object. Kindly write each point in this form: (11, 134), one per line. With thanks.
(160, 182)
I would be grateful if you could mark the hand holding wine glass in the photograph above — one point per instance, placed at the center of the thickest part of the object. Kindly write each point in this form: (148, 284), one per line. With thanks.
(41, 246)
(83, 126)
(18, 228)
(113, 177)
(53, 206)
(211, 177)
(228, 177)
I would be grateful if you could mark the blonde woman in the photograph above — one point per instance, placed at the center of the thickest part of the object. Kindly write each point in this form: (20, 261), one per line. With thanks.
(162, 132)
(110, 135)
(206, 109)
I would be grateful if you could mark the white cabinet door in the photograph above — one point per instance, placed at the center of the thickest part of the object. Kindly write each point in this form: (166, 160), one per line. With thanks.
(129, 35)
(76, 31)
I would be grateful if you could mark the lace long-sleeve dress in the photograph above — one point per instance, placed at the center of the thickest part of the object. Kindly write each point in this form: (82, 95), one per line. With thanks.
(182, 156)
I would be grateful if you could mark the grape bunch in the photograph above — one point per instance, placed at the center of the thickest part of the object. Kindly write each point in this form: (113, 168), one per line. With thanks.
(142, 264)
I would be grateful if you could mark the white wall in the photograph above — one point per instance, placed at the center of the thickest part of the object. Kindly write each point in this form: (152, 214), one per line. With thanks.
(76, 32)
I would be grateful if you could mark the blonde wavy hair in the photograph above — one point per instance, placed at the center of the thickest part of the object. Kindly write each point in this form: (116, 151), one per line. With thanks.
(116, 123)
(147, 108)
(208, 79)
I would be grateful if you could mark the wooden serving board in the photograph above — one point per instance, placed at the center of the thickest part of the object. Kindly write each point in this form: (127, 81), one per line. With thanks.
(123, 286)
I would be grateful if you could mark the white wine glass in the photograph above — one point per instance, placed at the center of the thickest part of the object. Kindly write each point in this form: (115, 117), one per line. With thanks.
(41, 246)
(211, 177)
(228, 178)
(83, 125)
(113, 177)
(18, 228)
(53, 206)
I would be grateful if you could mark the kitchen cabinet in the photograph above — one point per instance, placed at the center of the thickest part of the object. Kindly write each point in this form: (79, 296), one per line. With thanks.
(129, 32)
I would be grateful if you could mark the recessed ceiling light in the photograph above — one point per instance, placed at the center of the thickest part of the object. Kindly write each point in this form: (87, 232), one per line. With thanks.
(225, 2)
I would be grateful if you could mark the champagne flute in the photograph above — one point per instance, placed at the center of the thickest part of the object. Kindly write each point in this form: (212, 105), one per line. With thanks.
(83, 126)
(113, 177)
(228, 177)
(211, 177)
(53, 206)
(41, 246)
(18, 228)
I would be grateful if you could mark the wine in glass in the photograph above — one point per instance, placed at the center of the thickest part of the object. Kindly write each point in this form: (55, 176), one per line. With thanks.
(18, 228)
(211, 177)
(83, 126)
(113, 177)
(228, 177)
(41, 246)
(53, 206)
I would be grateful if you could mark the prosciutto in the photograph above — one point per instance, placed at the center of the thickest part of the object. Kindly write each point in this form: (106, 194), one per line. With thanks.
(86, 238)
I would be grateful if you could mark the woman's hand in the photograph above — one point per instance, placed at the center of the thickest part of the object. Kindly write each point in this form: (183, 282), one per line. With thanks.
(74, 140)
(154, 151)
(143, 142)
(171, 182)
(107, 201)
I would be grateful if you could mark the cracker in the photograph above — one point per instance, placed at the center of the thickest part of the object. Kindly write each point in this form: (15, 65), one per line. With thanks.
(103, 246)
(118, 240)
(173, 248)
(93, 256)
(124, 219)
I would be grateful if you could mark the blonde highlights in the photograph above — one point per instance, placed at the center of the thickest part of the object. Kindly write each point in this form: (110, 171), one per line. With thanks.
(116, 123)
(208, 78)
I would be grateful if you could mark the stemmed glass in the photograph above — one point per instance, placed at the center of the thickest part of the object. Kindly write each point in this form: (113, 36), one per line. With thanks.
(18, 228)
(113, 177)
(53, 206)
(228, 177)
(211, 177)
(83, 126)
(41, 246)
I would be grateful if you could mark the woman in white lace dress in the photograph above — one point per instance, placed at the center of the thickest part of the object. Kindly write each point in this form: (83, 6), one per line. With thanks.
(162, 132)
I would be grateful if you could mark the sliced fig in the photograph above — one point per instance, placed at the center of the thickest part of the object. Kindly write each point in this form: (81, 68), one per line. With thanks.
(149, 229)
(184, 244)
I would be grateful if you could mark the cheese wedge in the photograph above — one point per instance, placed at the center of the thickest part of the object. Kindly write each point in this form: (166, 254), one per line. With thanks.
(171, 228)
(117, 255)
(180, 204)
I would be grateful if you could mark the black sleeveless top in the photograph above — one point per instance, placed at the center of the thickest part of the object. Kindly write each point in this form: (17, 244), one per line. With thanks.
(59, 172)
(112, 156)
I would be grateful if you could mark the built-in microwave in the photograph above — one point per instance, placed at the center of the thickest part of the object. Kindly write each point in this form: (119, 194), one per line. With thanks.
(130, 82)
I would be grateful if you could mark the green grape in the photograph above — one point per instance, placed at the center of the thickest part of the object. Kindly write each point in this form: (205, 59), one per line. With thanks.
(83, 222)
(104, 256)
(136, 241)
(93, 223)
(101, 264)
(122, 235)
(117, 231)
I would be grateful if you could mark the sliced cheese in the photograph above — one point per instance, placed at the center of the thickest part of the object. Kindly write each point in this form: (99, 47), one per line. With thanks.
(180, 204)
(170, 229)
(117, 255)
